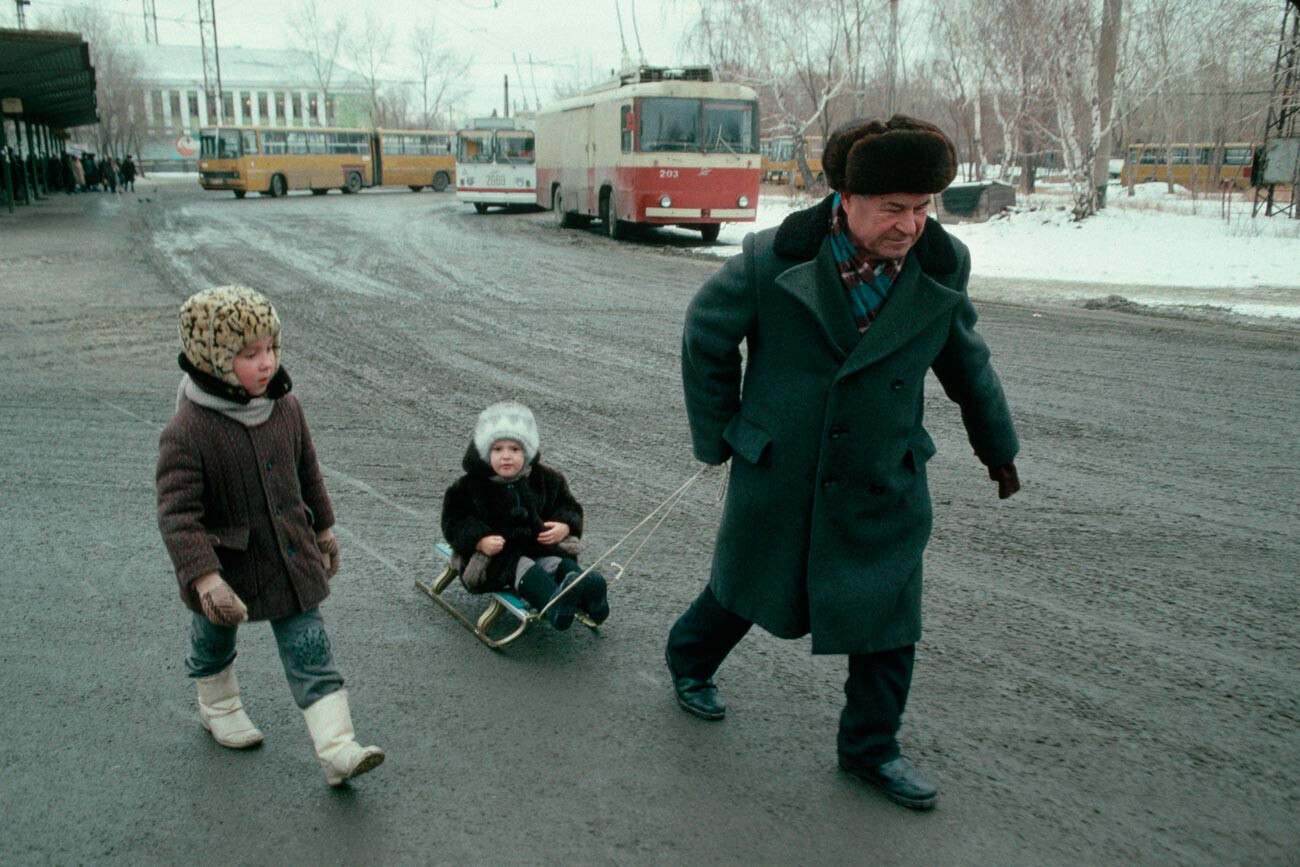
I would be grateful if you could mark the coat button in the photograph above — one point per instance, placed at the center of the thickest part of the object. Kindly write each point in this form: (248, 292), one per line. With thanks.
(289, 551)
(270, 464)
(830, 482)
(837, 432)
(896, 385)
(877, 489)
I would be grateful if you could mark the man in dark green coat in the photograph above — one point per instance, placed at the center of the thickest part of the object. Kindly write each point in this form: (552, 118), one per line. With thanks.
(842, 309)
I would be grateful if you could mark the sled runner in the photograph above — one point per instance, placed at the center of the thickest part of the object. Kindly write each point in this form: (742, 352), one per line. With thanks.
(485, 627)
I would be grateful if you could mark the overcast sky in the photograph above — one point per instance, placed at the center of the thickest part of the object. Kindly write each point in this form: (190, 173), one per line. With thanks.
(567, 39)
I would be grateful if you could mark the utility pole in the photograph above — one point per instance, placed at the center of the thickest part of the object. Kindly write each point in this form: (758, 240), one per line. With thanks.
(211, 61)
(150, 22)
(22, 13)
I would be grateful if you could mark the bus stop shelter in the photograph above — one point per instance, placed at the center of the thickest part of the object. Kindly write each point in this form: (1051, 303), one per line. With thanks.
(47, 85)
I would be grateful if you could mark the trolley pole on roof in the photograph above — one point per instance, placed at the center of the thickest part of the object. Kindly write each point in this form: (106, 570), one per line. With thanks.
(211, 61)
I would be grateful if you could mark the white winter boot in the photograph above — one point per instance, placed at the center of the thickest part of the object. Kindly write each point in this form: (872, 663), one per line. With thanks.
(341, 757)
(222, 713)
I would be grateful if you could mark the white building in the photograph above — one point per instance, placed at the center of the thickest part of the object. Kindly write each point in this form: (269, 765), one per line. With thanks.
(259, 86)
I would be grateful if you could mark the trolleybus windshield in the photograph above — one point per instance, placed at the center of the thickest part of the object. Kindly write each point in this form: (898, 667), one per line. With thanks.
(676, 124)
(515, 147)
(474, 146)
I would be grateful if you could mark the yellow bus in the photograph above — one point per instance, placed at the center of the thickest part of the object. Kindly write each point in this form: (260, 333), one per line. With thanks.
(273, 160)
(780, 165)
(1204, 166)
(416, 158)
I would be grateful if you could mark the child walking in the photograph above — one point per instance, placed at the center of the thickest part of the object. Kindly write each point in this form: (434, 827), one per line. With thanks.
(246, 518)
(514, 523)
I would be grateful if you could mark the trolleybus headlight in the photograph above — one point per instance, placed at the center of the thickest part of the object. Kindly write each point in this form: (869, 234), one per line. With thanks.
(665, 202)
(743, 201)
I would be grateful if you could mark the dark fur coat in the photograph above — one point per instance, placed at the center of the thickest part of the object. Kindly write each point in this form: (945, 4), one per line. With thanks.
(476, 505)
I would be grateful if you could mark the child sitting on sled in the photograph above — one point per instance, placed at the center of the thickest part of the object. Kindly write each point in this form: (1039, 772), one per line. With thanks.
(513, 522)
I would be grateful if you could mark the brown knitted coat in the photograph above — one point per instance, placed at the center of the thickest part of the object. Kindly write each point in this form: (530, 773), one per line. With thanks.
(246, 502)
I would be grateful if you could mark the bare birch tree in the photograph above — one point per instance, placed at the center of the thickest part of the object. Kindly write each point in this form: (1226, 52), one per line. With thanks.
(119, 85)
(440, 75)
(369, 52)
(319, 42)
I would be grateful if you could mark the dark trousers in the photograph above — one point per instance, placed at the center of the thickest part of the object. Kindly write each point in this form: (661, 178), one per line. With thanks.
(875, 691)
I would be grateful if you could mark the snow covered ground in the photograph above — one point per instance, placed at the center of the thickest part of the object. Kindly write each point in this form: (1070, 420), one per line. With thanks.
(1152, 249)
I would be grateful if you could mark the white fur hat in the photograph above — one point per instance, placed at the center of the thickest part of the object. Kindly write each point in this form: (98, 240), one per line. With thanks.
(507, 420)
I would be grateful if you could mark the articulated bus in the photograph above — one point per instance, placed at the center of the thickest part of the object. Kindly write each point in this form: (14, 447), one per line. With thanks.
(780, 165)
(654, 146)
(1205, 166)
(496, 163)
(273, 160)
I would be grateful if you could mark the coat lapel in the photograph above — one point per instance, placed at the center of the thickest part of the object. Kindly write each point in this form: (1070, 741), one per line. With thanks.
(816, 284)
(914, 302)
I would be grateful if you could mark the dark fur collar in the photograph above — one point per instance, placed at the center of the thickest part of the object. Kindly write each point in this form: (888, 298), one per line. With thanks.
(278, 387)
(801, 234)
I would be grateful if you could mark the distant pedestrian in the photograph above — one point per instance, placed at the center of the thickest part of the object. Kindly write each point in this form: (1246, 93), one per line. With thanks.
(843, 309)
(246, 519)
(78, 174)
(110, 174)
(128, 174)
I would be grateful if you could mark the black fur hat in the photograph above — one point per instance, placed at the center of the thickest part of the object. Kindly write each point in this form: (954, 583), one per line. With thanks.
(869, 156)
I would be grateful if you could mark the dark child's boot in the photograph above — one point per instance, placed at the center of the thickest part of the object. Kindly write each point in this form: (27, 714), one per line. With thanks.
(537, 588)
(900, 780)
(591, 594)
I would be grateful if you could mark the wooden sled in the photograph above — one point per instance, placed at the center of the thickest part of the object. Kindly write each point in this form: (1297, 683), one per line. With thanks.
(486, 627)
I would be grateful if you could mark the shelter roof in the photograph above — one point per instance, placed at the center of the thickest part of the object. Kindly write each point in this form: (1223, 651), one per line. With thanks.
(51, 73)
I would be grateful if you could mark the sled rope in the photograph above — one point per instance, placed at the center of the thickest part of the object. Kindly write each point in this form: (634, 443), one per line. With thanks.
(662, 510)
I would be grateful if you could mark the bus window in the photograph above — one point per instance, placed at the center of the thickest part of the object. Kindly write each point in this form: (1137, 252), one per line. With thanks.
(296, 142)
(1237, 156)
(222, 144)
(514, 146)
(624, 123)
(248, 140)
(273, 142)
(437, 145)
(316, 143)
(392, 144)
(670, 124)
(729, 126)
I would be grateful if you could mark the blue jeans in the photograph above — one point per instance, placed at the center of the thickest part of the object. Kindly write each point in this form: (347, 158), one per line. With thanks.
(304, 653)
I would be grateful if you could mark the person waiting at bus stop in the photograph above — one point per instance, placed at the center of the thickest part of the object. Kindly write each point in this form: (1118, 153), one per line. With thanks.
(843, 309)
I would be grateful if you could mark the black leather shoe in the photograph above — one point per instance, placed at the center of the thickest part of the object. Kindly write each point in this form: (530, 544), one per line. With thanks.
(900, 780)
(697, 697)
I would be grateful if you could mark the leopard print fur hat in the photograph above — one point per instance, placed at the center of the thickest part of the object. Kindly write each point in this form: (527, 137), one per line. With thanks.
(217, 323)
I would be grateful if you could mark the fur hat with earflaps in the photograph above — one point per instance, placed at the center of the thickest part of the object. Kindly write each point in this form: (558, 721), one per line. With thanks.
(217, 323)
(901, 155)
(507, 420)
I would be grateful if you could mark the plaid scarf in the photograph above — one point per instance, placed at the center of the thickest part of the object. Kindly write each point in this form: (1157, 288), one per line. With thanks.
(867, 283)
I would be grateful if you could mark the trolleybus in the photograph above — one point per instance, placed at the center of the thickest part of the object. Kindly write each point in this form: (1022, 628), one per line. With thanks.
(273, 160)
(496, 163)
(653, 146)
